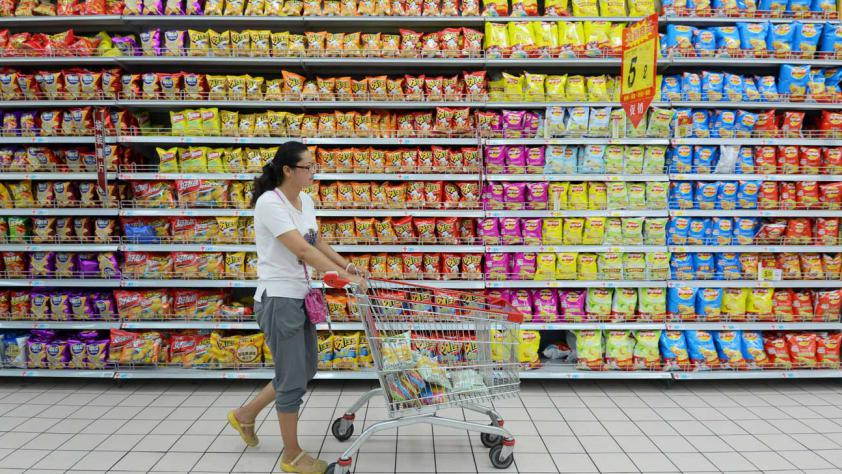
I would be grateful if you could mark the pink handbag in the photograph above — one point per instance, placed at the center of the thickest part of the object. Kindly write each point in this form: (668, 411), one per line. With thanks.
(314, 302)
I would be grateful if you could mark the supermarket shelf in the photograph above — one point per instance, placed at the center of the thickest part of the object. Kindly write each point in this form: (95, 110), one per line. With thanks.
(308, 104)
(757, 141)
(397, 176)
(576, 141)
(575, 248)
(187, 212)
(62, 21)
(187, 248)
(8, 104)
(252, 248)
(451, 284)
(751, 62)
(576, 284)
(167, 176)
(756, 248)
(550, 370)
(58, 247)
(727, 20)
(61, 283)
(54, 61)
(571, 213)
(45, 176)
(150, 283)
(760, 326)
(806, 105)
(75, 325)
(535, 63)
(597, 326)
(219, 140)
(87, 140)
(578, 177)
(755, 213)
(236, 325)
(70, 373)
(757, 374)
(753, 177)
(181, 373)
(410, 248)
(755, 283)
(59, 212)
(399, 212)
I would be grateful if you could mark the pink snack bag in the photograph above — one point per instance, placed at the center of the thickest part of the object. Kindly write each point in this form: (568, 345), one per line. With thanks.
(494, 196)
(514, 195)
(531, 124)
(573, 306)
(497, 266)
(537, 195)
(532, 231)
(535, 160)
(489, 231)
(522, 301)
(516, 160)
(544, 305)
(523, 267)
(495, 158)
(510, 231)
(513, 123)
(503, 294)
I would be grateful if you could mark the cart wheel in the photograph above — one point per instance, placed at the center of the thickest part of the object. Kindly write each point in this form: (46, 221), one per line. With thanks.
(498, 462)
(336, 429)
(330, 468)
(490, 440)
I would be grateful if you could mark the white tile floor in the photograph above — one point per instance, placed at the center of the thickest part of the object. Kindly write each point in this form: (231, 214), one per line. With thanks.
(91, 426)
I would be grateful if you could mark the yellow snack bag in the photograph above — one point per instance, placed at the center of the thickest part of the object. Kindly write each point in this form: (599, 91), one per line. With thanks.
(634, 266)
(232, 160)
(534, 87)
(589, 350)
(597, 195)
(618, 197)
(235, 265)
(571, 38)
(345, 350)
(641, 7)
(558, 195)
(512, 87)
(215, 157)
(496, 39)
(586, 8)
(587, 267)
(760, 302)
(576, 89)
(577, 196)
(633, 230)
(566, 266)
(597, 36)
(545, 267)
(573, 230)
(220, 43)
(612, 8)
(555, 86)
(217, 87)
(594, 232)
(229, 122)
(598, 89)
(325, 348)
(530, 341)
(227, 229)
(735, 301)
(167, 160)
(193, 160)
(610, 266)
(211, 125)
(657, 265)
(546, 38)
(551, 231)
(556, 8)
(521, 39)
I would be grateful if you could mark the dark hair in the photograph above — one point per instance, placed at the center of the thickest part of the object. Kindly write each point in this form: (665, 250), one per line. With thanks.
(289, 154)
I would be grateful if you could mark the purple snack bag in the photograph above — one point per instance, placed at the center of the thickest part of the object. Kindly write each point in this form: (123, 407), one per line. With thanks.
(523, 266)
(65, 264)
(516, 160)
(126, 45)
(43, 335)
(39, 305)
(37, 354)
(174, 7)
(544, 305)
(532, 231)
(493, 196)
(535, 160)
(104, 306)
(150, 42)
(29, 123)
(78, 354)
(108, 265)
(495, 158)
(531, 124)
(496, 266)
(521, 300)
(42, 264)
(510, 231)
(489, 231)
(195, 7)
(514, 195)
(97, 354)
(80, 306)
(60, 306)
(573, 306)
(88, 266)
(87, 335)
(57, 355)
(153, 7)
(537, 194)
(512, 123)
(174, 43)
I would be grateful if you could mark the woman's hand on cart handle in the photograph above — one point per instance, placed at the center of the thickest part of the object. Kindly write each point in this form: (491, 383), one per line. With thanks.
(342, 279)
(353, 270)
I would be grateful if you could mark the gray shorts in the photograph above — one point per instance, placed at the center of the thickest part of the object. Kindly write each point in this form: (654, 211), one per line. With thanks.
(292, 340)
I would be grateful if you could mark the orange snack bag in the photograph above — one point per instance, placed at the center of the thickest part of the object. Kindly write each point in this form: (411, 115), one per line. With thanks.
(802, 350)
(777, 350)
(412, 265)
(827, 350)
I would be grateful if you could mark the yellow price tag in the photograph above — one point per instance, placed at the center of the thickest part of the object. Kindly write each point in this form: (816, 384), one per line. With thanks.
(640, 58)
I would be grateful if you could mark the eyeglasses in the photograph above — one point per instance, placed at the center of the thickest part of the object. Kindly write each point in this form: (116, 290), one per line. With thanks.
(310, 167)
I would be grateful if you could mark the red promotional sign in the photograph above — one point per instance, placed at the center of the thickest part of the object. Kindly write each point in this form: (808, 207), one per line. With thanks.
(640, 59)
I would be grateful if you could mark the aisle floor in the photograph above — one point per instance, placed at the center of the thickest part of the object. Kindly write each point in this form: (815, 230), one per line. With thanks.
(156, 426)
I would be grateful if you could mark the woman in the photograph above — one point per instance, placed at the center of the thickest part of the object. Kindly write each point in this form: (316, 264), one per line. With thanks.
(286, 235)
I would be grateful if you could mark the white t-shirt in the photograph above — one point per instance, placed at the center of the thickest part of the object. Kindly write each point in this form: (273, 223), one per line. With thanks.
(279, 271)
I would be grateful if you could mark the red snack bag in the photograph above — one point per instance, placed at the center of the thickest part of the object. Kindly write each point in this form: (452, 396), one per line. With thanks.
(799, 231)
(451, 265)
(827, 349)
(782, 300)
(768, 198)
(788, 159)
(423, 123)
(802, 305)
(413, 87)
(119, 348)
(409, 159)
(434, 88)
(415, 194)
(472, 266)
(802, 349)
(831, 123)
(792, 123)
(765, 159)
(444, 120)
(832, 263)
(830, 195)
(832, 160)
(451, 40)
(451, 194)
(828, 305)
(412, 265)
(425, 159)
(467, 230)
(452, 88)
(462, 120)
(776, 348)
(788, 195)
(827, 230)
(810, 159)
(767, 124)
(404, 229)
(430, 47)
(410, 43)
(806, 194)
(441, 160)
(470, 194)
(433, 192)
(447, 230)
(425, 228)
(475, 85)
(182, 348)
(432, 266)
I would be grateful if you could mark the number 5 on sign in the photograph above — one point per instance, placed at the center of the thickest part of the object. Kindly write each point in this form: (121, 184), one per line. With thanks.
(640, 57)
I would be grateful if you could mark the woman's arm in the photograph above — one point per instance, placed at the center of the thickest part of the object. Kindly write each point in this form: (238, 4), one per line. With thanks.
(294, 241)
(326, 249)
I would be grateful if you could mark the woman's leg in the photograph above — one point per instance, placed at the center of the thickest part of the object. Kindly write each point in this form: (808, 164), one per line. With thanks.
(248, 412)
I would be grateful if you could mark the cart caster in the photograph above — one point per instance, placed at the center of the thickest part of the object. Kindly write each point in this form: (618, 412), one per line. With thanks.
(490, 440)
(497, 459)
(343, 466)
(342, 428)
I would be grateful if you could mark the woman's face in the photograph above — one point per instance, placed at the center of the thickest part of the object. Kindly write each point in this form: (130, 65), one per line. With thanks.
(302, 173)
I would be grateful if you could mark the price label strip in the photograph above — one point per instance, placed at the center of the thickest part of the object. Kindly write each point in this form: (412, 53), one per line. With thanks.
(640, 58)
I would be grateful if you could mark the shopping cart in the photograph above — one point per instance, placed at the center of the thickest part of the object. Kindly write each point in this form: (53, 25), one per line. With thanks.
(434, 349)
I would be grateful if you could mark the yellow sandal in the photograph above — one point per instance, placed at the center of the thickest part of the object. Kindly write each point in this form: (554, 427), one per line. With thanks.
(235, 423)
(318, 466)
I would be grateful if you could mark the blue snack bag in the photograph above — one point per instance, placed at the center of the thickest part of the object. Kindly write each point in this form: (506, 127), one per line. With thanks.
(680, 38)
(705, 158)
(671, 88)
(592, 159)
(681, 195)
(832, 81)
(793, 80)
(727, 41)
(706, 193)
(713, 86)
(691, 87)
(831, 44)
(753, 38)
(781, 38)
(677, 230)
(827, 7)
(700, 231)
(724, 124)
(768, 88)
(775, 6)
(561, 159)
(732, 87)
(728, 266)
(722, 232)
(674, 346)
(744, 125)
(705, 42)
(747, 194)
(727, 195)
(745, 228)
(750, 91)
(729, 349)
(753, 350)
(817, 85)
(699, 125)
(702, 352)
(705, 265)
(681, 266)
(745, 157)
(798, 7)
(807, 36)
(709, 303)
(681, 159)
